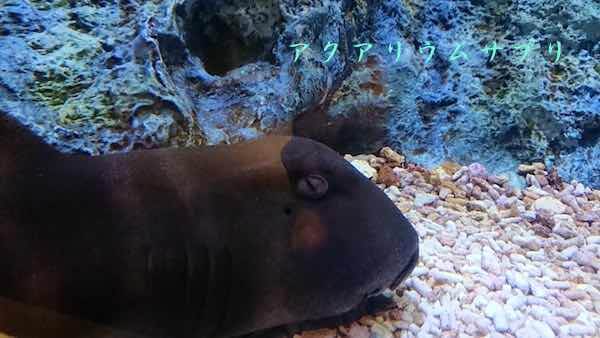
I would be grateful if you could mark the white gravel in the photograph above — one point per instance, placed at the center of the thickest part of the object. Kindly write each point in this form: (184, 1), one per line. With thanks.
(495, 261)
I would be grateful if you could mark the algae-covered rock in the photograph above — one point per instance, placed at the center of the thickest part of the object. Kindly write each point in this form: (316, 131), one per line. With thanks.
(89, 76)
(102, 76)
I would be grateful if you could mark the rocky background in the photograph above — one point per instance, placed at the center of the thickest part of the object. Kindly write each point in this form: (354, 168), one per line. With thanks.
(98, 76)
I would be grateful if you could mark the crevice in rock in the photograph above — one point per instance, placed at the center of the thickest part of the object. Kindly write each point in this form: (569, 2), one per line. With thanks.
(172, 49)
(228, 35)
(590, 135)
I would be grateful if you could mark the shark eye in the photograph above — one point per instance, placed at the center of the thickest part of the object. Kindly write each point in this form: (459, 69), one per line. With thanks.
(312, 186)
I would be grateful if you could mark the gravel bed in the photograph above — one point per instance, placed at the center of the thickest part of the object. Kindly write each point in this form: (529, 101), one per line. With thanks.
(496, 261)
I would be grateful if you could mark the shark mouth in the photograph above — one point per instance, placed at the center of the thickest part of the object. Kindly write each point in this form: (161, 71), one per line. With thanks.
(407, 270)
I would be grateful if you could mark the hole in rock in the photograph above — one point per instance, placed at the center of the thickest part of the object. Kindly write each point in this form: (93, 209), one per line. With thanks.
(228, 34)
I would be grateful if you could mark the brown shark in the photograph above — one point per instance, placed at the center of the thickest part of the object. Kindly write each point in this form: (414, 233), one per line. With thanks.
(215, 241)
